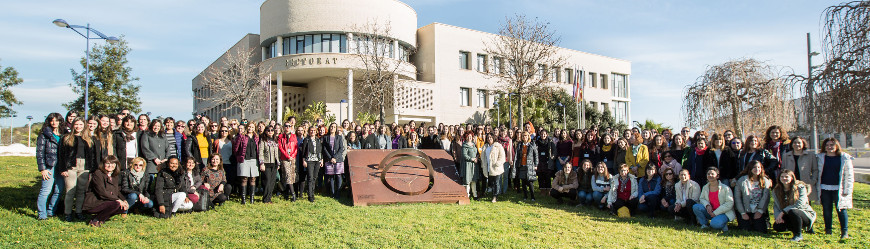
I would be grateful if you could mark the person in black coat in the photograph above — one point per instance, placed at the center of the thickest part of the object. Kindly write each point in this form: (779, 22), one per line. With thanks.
(312, 159)
(78, 155)
(432, 140)
(135, 183)
(104, 198)
(697, 159)
(547, 150)
(165, 186)
(47, 144)
(191, 146)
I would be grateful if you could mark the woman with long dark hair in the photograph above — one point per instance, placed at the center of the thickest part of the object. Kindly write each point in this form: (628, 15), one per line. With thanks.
(269, 161)
(334, 151)
(47, 158)
(214, 179)
(802, 162)
(776, 141)
(127, 142)
(79, 154)
(104, 198)
(245, 150)
(752, 198)
(198, 146)
(791, 206)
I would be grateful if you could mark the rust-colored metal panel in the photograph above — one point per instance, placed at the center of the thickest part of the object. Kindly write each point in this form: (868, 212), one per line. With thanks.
(409, 177)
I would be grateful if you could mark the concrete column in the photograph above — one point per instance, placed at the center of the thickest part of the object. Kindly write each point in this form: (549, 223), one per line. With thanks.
(350, 113)
(351, 46)
(280, 46)
(395, 49)
(280, 107)
(262, 53)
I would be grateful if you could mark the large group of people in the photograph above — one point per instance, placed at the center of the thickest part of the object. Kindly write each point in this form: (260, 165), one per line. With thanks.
(113, 164)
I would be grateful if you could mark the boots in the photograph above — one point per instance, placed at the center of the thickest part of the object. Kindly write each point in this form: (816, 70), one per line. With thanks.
(244, 192)
(253, 190)
(291, 192)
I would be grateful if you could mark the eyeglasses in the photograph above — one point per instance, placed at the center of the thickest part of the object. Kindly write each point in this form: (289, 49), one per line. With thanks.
(735, 143)
(138, 164)
(685, 131)
(287, 125)
(669, 174)
(225, 131)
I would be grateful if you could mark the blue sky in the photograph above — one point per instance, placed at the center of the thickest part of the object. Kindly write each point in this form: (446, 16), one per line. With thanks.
(670, 43)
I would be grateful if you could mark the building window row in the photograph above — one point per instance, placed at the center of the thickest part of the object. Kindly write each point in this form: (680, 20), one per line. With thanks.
(334, 43)
(465, 97)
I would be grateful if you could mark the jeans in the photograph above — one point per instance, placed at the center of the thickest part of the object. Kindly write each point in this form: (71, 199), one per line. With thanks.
(716, 222)
(829, 200)
(133, 199)
(752, 224)
(505, 178)
(334, 182)
(571, 194)
(49, 196)
(597, 196)
(585, 197)
(650, 204)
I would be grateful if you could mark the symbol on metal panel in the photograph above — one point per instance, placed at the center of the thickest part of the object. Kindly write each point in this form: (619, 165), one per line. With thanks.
(407, 155)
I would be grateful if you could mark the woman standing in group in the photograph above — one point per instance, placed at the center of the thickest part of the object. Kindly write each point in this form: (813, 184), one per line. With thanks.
(288, 146)
(246, 150)
(527, 159)
(638, 158)
(791, 206)
(493, 159)
(268, 160)
(753, 151)
(223, 147)
(312, 159)
(623, 191)
(752, 198)
(656, 148)
(509, 172)
(468, 164)
(79, 154)
(334, 152)
(590, 149)
(622, 148)
(576, 147)
(600, 185)
(103, 135)
(608, 151)
(716, 204)
(688, 194)
(47, 160)
(777, 143)
(696, 160)
(155, 147)
(678, 146)
(412, 141)
(563, 150)
(104, 198)
(802, 163)
(835, 184)
(127, 139)
(135, 185)
(198, 146)
(717, 157)
(729, 162)
(398, 139)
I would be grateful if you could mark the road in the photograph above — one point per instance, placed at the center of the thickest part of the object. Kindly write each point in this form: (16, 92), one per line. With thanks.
(862, 165)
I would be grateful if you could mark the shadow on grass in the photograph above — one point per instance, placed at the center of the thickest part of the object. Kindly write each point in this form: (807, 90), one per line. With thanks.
(21, 199)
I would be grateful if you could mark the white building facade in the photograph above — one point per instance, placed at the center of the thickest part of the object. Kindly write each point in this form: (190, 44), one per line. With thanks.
(311, 55)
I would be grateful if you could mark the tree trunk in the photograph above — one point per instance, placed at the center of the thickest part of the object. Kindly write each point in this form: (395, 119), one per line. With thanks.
(242, 110)
(735, 120)
(520, 107)
(382, 114)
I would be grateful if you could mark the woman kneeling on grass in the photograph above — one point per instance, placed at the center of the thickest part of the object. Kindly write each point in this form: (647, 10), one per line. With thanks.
(623, 191)
(600, 185)
(688, 193)
(752, 197)
(716, 203)
(135, 184)
(791, 206)
(104, 198)
(167, 188)
(215, 180)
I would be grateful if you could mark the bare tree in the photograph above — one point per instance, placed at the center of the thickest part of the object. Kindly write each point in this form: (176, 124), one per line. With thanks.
(383, 64)
(842, 83)
(522, 56)
(239, 82)
(744, 95)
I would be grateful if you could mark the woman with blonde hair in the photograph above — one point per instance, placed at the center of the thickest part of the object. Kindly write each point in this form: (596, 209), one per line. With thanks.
(791, 206)
(78, 155)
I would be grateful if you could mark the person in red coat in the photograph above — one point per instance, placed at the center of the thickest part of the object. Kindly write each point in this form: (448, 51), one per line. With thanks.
(104, 198)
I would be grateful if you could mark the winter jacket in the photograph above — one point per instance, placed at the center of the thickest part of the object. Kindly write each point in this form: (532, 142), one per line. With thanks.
(808, 166)
(240, 144)
(68, 156)
(288, 146)
(153, 146)
(128, 187)
(101, 189)
(567, 183)
(847, 179)
(640, 160)
(191, 149)
(614, 186)
(494, 160)
(802, 204)
(742, 195)
(268, 152)
(526, 170)
(726, 201)
(47, 150)
(693, 192)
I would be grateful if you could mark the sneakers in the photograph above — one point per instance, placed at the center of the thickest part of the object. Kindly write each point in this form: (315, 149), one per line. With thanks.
(844, 235)
(810, 231)
(725, 228)
(797, 238)
(678, 218)
(95, 223)
(704, 226)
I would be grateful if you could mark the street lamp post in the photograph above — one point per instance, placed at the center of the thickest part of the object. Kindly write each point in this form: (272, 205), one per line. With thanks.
(11, 127)
(811, 103)
(87, 35)
(29, 129)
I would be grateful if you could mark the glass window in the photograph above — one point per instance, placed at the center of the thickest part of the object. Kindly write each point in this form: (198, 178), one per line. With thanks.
(325, 41)
(566, 78)
(482, 100)
(481, 63)
(309, 48)
(285, 46)
(603, 80)
(620, 85)
(463, 60)
(316, 45)
(342, 47)
(465, 96)
(496, 65)
(334, 45)
(273, 50)
(554, 74)
(593, 78)
(300, 44)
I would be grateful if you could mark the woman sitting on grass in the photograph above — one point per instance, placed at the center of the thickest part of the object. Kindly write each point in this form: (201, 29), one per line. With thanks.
(791, 206)
(649, 191)
(134, 185)
(716, 205)
(688, 193)
(104, 198)
(565, 183)
(600, 185)
(167, 191)
(623, 191)
(752, 197)
(668, 194)
(584, 180)
(215, 180)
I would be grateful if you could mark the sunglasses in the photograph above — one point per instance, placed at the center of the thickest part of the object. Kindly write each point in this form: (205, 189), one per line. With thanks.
(735, 143)
(685, 131)
(225, 131)
(138, 164)
(287, 125)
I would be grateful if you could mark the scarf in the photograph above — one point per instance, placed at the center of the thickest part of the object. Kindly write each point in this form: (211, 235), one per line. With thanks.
(700, 151)
(137, 176)
(128, 136)
(606, 148)
(635, 149)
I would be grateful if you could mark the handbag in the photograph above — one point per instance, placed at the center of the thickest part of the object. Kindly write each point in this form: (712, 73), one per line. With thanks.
(202, 203)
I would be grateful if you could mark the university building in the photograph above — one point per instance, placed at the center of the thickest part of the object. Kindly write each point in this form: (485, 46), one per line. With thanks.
(310, 50)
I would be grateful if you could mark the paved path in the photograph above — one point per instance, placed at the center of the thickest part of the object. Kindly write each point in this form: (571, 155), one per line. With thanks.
(862, 165)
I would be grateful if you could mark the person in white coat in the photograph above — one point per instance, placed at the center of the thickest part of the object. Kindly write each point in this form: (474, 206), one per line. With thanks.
(623, 191)
(835, 182)
(688, 193)
(493, 164)
(716, 204)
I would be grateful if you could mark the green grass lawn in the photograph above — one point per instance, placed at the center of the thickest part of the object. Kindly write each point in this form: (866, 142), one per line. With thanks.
(329, 223)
